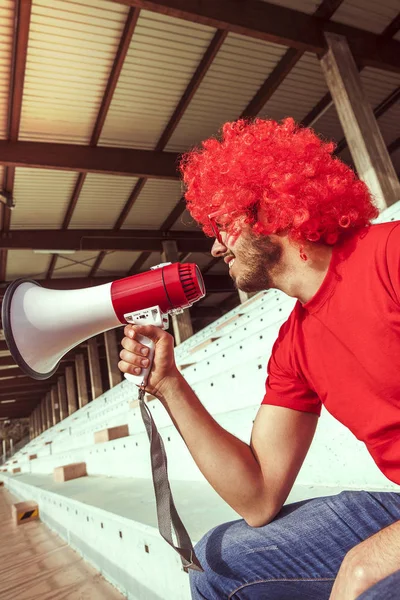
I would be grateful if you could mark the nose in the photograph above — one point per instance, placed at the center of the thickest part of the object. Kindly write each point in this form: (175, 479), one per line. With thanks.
(218, 249)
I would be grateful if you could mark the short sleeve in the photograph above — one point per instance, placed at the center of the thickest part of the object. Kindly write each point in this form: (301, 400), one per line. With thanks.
(283, 386)
(393, 259)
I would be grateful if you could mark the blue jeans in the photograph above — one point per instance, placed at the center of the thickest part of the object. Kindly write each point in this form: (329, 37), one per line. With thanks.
(296, 556)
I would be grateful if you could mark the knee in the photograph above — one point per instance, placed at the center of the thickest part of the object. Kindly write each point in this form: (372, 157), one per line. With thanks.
(217, 556)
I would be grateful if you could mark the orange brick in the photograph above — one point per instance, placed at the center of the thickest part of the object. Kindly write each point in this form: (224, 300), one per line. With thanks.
(32, 456)
(23, 512)
(67, 472)
(111, 433)
(16, 470)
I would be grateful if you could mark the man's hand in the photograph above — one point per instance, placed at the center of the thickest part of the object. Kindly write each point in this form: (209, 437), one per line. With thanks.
(367, 563)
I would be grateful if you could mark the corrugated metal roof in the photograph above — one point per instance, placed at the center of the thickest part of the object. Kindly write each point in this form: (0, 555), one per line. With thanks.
(74, 265)
(6, 37)
(389, 124)
(236, 74)
(25, 263)
(329, 125)
(72, 46)
(154, 204)
(163, 55)
(306, 6)
(378, 84)
(117, 263)
(101, 200)
(299, 92)
(201, 259)
(367, 14)
(185, 223)
(41, 198)
(153, 260)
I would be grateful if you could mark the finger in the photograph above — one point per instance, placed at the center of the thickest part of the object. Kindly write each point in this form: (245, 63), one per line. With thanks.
(150, 331)
(129, 331)
(133, 359)
(126, 367)
(134, 347)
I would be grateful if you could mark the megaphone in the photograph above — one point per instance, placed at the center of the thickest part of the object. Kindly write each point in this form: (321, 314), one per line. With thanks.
(41, 325)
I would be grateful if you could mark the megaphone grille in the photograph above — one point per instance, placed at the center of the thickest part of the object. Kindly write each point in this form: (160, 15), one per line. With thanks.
(191, 281)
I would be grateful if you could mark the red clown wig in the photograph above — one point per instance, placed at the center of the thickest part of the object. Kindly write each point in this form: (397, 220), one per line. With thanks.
(281, 171)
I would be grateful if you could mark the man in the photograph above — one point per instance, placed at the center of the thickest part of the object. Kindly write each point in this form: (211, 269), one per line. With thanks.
(286, 214)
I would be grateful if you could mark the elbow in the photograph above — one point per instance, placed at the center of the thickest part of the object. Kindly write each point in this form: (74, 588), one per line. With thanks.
(261, 518)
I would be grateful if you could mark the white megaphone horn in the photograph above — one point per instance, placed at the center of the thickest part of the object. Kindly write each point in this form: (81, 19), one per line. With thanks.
(41, 325)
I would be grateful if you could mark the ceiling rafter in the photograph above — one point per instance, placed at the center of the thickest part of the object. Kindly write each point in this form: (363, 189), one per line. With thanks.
(278, 24)
(99, 159)
(134, 240)
(197, 78)
(326, 101)
(22, 18)
(289, 60)
(115, 72)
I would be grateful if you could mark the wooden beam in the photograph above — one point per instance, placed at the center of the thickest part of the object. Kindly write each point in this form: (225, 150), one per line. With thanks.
(71, 390)
(359, 123)
(55, 405)
(81, 380)
(22, 18)
(103, 239)
(119, 59)
(101, 159)
(62, 397)
(94, 369)
(112, 354)
(278, 24)
(182, 105)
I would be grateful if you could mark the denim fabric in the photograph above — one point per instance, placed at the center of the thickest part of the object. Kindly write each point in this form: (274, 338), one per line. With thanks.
(296, 556)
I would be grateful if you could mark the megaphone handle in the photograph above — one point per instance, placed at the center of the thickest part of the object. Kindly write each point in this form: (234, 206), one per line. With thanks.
(141, 380)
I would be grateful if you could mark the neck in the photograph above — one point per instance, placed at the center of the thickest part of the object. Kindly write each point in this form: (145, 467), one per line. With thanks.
(302, 279)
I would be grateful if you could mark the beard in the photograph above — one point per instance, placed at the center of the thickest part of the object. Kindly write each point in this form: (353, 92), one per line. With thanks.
(259, 262)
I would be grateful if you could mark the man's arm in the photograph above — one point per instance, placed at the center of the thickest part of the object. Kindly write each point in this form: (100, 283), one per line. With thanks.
(253, 479)
(367, 563)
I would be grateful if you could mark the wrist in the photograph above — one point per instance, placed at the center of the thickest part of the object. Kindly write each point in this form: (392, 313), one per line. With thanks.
(169, 386)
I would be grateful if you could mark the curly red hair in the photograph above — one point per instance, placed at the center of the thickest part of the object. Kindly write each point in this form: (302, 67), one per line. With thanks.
(282, 171)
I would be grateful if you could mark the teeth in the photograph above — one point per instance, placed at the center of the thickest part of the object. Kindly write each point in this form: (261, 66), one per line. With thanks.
(231, 263)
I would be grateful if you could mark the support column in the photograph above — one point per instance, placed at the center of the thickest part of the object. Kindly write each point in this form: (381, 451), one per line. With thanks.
(62, 397)
(4, 450)
(11, 446)
(81, 380)
(38, 420)
(365, 141)
(43, 413)
(49, 410)
(71, 390)
(55, 404)
(33, 424)
(112, 354)
(182, 324)
(94, 368)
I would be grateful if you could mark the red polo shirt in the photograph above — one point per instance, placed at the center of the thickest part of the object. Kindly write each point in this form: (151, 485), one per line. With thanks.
(342, 348)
